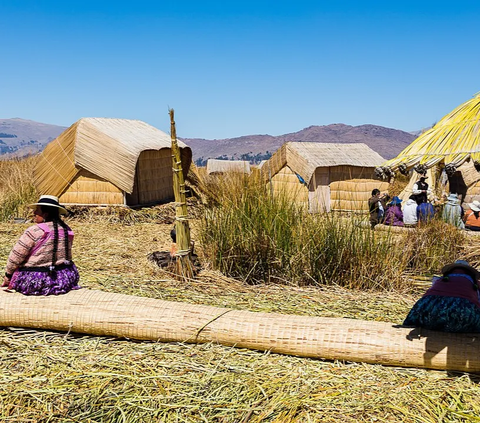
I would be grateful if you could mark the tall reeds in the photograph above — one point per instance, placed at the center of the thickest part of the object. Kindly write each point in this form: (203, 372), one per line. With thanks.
(250, 234)
(247, 233)
(16, 188)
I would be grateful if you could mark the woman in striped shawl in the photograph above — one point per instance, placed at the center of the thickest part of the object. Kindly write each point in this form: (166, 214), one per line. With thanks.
(40, 262)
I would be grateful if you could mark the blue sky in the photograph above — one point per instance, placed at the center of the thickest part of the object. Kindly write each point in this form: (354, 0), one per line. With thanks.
(234, 68)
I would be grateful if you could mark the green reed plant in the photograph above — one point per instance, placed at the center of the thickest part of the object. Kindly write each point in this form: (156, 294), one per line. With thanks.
(249, 233)
(342, 251)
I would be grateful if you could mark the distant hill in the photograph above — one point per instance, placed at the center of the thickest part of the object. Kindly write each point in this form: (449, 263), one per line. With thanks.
(20, 137)
(385, 141)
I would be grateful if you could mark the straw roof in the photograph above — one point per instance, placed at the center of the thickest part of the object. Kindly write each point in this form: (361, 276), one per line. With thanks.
(304, 157)
(454, 139)
(222, 166)
(108, 148)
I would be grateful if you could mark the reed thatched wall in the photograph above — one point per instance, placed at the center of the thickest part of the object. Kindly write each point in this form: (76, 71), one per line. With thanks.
(102, 313)
(286, 183)
(217, 166)
(153, 178)
(88, 189)
(353, 194)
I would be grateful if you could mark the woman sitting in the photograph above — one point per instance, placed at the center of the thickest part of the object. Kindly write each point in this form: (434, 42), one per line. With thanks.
(472, 216)
(394, 214)
(40, 262)
(453, 211)
(452, 303)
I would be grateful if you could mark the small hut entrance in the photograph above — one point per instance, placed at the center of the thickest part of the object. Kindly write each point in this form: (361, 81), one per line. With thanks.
(319, 191)
(457, 185)
(153, 178)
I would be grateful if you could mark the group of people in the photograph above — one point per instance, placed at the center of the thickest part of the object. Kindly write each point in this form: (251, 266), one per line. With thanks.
(454, 213)
(415, 210)
(40, 263)
(418, 209)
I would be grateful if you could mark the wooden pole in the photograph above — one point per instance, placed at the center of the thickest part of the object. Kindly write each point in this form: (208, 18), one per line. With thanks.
(183, 259)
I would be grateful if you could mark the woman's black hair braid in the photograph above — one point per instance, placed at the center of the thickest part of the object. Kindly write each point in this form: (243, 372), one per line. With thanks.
(54, 216)
(55, 242)
(65, 238)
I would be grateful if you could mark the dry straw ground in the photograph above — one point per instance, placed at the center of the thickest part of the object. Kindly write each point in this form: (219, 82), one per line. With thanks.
(56, 377)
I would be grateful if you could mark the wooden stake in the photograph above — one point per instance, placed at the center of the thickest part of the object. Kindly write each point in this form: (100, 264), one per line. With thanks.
(183, 258)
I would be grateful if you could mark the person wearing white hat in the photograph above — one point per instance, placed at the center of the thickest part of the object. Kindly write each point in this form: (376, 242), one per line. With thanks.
(472, 216)
(40, 262)
(452, 303)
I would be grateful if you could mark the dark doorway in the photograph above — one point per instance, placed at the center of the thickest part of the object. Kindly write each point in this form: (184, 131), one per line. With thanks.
(457, 185)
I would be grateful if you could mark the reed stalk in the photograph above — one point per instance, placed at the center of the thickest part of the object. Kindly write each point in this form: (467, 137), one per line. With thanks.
(183, 259)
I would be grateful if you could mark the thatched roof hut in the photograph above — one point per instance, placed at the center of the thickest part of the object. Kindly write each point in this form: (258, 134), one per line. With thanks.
(451, 146)
(216, 166)
(324, 176)
(101, 161)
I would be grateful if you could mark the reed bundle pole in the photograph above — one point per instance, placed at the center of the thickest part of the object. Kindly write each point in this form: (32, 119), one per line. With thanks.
(183, 255)
(108, 314)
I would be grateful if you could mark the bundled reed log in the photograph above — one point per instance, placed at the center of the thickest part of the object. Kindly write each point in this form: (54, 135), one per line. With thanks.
(183, 260)
(102, 313)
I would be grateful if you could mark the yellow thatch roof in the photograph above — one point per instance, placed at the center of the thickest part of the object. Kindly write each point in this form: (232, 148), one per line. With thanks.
(304, 157)
(108, 148)
(222, 166)
(452, 140)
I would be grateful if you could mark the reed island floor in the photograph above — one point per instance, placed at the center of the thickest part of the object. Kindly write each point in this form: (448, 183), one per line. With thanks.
(56, 377)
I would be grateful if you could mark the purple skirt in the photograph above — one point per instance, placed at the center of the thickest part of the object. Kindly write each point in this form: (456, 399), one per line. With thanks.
(38, 282)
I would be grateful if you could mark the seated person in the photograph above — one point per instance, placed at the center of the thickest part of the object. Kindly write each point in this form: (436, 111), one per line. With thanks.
(394, 215)
(40, 262)
(472, 216)
(425, 212)
(453, 211)
(410, 217)
(376, 206)
(452, 303)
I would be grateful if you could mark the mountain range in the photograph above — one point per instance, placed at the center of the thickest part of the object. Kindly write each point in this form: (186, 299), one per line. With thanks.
(20, 137)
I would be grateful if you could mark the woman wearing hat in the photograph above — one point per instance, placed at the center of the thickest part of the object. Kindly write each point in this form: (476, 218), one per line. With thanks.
(452, 303)
(472, 216)
(40, 262)
(394, 214)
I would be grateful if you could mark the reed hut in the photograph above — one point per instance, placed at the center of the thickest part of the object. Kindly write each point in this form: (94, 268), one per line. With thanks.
(219, 167)
(324, 176)
(449, 153)
(101, 161)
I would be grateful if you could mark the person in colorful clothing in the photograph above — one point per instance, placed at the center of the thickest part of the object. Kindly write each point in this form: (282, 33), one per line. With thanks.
(425, 212)
(452, 303)
(40, 262)
(394, 214)
(472, 216)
